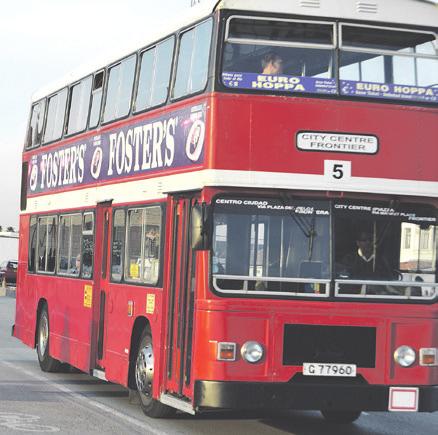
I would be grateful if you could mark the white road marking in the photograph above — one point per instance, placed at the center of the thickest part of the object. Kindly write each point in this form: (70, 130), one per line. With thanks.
(90, 402)
(24, 422)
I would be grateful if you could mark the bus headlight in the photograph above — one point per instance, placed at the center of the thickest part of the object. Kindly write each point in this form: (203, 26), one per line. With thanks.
(252, 352)
(405, 356)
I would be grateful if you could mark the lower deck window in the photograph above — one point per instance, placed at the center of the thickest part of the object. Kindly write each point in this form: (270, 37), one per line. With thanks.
(143, 245)
(46, 245)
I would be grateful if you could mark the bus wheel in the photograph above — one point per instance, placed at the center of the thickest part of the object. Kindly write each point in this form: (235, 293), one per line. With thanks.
(144, 376)
(341, 417)
(47, 363)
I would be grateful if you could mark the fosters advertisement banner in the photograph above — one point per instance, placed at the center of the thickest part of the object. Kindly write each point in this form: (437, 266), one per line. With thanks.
(171, 141)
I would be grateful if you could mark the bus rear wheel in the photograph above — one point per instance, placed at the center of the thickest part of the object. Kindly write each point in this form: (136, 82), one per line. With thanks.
(341, 417)
(144, 377)
(47, 363)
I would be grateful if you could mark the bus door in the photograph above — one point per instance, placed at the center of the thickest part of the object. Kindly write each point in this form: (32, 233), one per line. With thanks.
(181, 298)
(100, 288)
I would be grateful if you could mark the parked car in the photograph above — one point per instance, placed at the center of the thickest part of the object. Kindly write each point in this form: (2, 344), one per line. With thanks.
(8, 271)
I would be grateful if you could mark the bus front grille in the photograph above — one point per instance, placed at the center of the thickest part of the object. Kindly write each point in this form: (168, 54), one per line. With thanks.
(329, 344)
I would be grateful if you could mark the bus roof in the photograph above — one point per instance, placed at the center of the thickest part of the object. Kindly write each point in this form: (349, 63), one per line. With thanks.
(411, 12)
(423, 13)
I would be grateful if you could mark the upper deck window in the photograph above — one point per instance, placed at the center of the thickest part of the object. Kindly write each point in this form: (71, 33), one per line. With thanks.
(281, 31)
(119, 92)
(35, 130)
(55, 116)
(96, 99)
(294, 56)
(378, 62)
(279, 55)
(193, 57)
(153, 82)
(80, 94)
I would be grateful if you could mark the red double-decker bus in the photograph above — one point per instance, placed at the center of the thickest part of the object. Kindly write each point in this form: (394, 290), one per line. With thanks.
(242, 213)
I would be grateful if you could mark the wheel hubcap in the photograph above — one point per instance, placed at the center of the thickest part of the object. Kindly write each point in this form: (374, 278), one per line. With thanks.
(43, 335)
(144, 370)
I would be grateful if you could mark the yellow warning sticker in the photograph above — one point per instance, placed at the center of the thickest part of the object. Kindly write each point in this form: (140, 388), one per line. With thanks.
(134, 270)
(150, 304)
(88, 296)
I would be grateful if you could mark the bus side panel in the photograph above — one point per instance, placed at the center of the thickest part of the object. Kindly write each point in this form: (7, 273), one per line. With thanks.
(25, 312)
(147, 305)
(70, 319)
(266, 134)
(119, 328)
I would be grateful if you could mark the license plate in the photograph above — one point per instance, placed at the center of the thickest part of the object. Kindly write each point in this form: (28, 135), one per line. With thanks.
(319, 369)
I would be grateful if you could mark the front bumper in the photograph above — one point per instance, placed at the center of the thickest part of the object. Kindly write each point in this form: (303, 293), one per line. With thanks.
(258, 395)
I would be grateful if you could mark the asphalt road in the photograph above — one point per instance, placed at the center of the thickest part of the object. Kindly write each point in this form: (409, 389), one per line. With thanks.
(75, 403)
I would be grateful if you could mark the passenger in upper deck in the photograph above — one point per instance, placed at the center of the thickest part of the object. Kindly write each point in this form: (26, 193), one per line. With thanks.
(272, 64)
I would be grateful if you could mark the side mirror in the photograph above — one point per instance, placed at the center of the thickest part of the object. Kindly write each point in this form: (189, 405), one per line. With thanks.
(200, 227)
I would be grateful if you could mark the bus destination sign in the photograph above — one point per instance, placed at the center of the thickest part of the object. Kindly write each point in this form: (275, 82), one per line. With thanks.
(337, 142)
(174, 140)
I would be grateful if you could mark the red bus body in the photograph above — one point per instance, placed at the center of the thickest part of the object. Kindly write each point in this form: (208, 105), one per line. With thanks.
(250, 149)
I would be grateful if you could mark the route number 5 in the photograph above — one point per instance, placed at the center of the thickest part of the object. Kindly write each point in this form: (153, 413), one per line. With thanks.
(337, 170)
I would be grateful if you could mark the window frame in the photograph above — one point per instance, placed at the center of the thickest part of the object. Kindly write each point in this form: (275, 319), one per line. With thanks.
(99, 117)
(69, 101)
(39, 217)
(34, 103)
(350, 48)
(124, 231)
(58, 258)
(220, 53)
(82, 213)
(333, 296)
(123, 280)
(141, 52)
(104, 101)
(29, 244)
(333, 23)
(269, 294)
(211, 64)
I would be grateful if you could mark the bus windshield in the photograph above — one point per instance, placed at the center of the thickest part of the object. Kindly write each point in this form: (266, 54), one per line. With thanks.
(385, 251)
(299, 57)
(269, 246)
(300, 247)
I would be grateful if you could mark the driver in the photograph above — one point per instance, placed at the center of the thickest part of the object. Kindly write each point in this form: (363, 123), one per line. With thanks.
(363, 264)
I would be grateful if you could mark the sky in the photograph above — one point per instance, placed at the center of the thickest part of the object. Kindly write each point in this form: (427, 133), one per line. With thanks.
(43, 40)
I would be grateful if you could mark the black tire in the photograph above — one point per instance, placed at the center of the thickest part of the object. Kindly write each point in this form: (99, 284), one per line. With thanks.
(144, 375)
(341, 417)
(47, 363)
